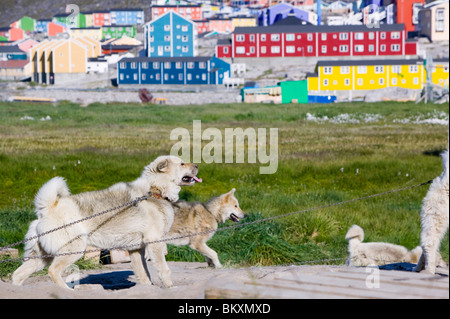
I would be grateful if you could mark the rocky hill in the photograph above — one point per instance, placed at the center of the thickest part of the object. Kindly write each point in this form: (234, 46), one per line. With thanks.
(11, 10)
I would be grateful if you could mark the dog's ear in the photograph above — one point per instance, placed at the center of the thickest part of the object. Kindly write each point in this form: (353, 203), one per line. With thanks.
(162, 166)
(229, 194)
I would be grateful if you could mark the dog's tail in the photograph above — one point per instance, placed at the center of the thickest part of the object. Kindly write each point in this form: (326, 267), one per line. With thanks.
(49, 195)
(355, 234)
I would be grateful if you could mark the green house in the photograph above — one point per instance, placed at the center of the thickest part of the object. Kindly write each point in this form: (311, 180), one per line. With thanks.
(77, 21)
(25, 23)
(118, 31)
(294, 91)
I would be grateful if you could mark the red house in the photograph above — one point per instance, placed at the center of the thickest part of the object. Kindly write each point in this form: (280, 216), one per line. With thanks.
(318, 41)
(101, 18)
(55, 28)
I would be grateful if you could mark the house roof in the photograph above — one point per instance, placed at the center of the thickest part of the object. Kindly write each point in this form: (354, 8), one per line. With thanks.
(317, 28)
(170, 12)
(167, 59)
(370, 62)
(127, 9)
(13, 64)
(291, 20)
(10, 49)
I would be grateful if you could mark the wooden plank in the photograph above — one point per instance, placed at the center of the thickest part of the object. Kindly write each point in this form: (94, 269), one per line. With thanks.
(323, 282)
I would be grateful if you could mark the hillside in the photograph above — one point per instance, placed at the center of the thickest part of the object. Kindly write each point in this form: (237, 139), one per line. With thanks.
(11, 10)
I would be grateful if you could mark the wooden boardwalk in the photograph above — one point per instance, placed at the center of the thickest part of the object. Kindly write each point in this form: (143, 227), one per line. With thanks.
(331, 282)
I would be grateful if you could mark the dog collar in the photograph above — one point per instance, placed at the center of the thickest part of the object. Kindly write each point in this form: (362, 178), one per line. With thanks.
(156, 196)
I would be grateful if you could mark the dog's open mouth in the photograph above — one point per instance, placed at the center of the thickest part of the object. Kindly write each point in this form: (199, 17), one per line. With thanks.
(189, 180)
(234, 218)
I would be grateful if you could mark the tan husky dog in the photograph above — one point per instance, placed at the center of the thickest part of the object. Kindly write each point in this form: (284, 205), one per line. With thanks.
(132, 226)
(196, 217)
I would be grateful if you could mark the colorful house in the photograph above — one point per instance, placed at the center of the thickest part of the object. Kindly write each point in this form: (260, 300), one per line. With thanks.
(93, 32)
(191, 12)
(42, 25)
(281, 11)
(127, 16)
(367, 75)
(407, 12)
(55, 58)
(15, 70)
(12, 52)
(171, 35)
(55, 28)
(101, 18)
(16, 34)
(25, 23)
(179, 70)
(221, 25)
(439, 73)
(321, 41)
(434, 21)
(76, 21)
(118, 31)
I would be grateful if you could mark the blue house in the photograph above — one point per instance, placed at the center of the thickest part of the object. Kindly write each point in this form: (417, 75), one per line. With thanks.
(180, 70)
(127, 16)
(171, 35)
(42, 25)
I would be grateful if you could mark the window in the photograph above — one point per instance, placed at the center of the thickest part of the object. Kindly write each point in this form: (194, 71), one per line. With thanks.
(343, 48)
(361, 69)
(190, 65)
(381, 81)
(383, 35)
(415, 80)
(144, 65)
(144, 76)
(263, 50)
(395, 47)
(203, 77)
(167, 27)
(121, 76)
(184, 38)
(346, 82)
(413, 68)
(252, 49)
(202, 65)
(379, 69)
(240, 50)
(383, 48)
(167, 38)
(343, 36)
(158, 76)
(396, 68)
(185, 28)
(180, 76)
(275, 37)
(310, 37)
(240, 38)
(275, 49)
(155, 65)
(394, 81)
(133, 65)
(263, 37)
(290, 49)
(310, 48)
(325, 82)
(166, 76)
(290, 37)
(178, 65)
(440, 19)
(395, 35)
(225, 50)
(135, 76)
(359, 48)
(345, 69)
(371, 35)
(359, 82)
(323, 49)
(371, 48)
(327, 70)
(252, 38)
(167, 65)
(184, 48)
(359, 36)
(323, 36)
(167, 48)
(123, 65)
(189, 77)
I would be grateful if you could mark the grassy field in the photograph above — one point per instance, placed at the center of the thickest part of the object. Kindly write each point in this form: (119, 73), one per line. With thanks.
(327, 154)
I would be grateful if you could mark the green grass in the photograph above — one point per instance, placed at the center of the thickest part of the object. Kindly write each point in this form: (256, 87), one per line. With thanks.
(319, 163)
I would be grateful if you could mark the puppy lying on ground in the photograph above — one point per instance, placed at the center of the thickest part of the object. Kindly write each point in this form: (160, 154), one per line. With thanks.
(434, 219)
(370, 254)
(195, 217)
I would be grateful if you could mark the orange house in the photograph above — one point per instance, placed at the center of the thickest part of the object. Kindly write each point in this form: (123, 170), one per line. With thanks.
(408, 13)
(55, 28)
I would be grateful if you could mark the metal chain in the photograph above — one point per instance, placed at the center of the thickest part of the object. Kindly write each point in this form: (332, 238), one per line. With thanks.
(139, 199)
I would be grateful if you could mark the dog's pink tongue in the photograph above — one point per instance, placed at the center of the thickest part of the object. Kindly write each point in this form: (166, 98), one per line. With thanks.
(198, 180)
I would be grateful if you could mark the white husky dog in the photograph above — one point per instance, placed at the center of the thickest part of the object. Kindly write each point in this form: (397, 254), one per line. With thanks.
(376, 253)
(434, 219)
(134, 225)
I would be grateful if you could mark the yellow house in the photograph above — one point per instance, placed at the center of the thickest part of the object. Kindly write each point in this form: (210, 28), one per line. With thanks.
(94, 46)
(367, 75)
(50, 58)
(243, 22)
(89, 16)
(439, 73)
(92, 32)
